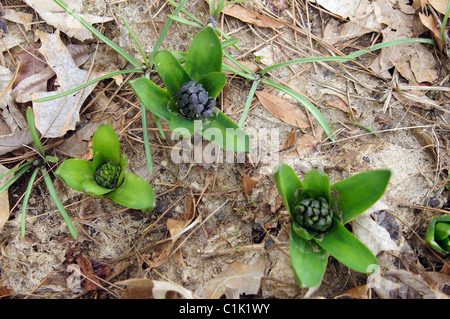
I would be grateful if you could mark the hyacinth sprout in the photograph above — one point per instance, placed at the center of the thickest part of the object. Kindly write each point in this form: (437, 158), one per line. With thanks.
(193, 81)
(105, 175)
(318, 213)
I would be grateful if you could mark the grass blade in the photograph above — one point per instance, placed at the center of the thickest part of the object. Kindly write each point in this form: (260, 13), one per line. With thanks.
(136, 41)
(164, 32)
(25, 201)
(388, 44)
(148, 151)
(59, 205)
(444, 22)
(75, 90)
(34, 132)
(306, 60)
(248, 102)
(11, 181)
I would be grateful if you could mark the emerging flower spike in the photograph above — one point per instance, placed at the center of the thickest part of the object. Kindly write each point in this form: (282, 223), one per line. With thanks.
(194, 102)
(313, 214)
(107, 175)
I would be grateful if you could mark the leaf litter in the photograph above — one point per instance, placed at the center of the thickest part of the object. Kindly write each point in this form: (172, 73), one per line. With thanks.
(204, 245)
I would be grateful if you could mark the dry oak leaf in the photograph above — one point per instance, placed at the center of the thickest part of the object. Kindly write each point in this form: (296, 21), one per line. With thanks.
(235, 280)
(57, 17)
(249, 184)
(439, 5)
(307, 144)
(284, 110)
(55, 117)
(246, 15)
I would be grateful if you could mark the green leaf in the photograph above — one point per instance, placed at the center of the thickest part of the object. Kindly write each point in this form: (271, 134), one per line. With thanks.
(52, 191)
(92, 188)
(442, 230)
(106, 143)
(25, 201)
(73, 172)
(346, 248)
(23, 169)
(359, 192)
(155, 99)
(431, 235)
(133, 193)
(308, 260)
(204, 55)
(171, 72)
(316, 184)
(303, 232)
(287, 183)
(213, 83)
(34, 132)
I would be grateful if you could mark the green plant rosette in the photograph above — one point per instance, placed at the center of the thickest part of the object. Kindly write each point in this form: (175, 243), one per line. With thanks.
(203, 64)
(128, 189)
(438, 234)
(348, 198)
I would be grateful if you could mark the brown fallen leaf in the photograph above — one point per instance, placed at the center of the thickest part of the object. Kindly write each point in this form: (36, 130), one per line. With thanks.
(359, 292)
(78, 145)
(31, 62)
(141, 288)
(35, 79)
(91, 282)
(4, 199)
(430, 22)
(235, 280)
(439, 5)
(284, 110)
(55, 117)
(249, 184)
(340, 104)
(23, 18)
(307, 144)
(55, 16)
(246, 15)
(290, 140)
